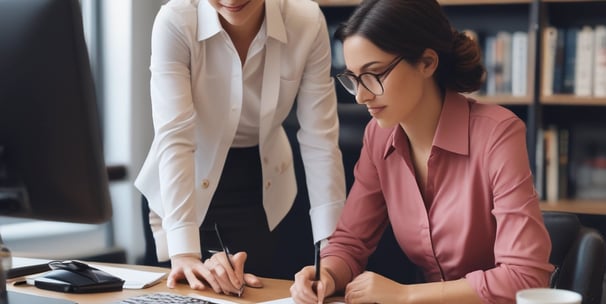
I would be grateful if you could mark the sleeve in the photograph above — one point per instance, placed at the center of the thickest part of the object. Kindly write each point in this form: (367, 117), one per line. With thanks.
(364, 217)
(522, 245)
(319, 134)
(173, 119)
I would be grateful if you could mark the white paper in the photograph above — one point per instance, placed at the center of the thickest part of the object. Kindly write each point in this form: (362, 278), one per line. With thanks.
(133, 279)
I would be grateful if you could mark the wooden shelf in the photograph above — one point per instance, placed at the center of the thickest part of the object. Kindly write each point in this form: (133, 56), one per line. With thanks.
(596, 207)
(503, 99)
(563, 99)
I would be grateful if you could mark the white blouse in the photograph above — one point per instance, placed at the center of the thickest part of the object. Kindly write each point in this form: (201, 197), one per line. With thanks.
(197, 89)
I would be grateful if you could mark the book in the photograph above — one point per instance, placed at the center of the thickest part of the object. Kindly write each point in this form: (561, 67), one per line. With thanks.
(489, 62)
(503, 63)
(570, 56)
(599, 72)
(519, 66)
(549, 40)
(584, 62)
(558, 62)
(551, 163)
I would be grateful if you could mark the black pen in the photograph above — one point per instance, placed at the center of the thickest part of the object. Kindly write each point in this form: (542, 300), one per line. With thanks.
(317, 262)
(227, 254)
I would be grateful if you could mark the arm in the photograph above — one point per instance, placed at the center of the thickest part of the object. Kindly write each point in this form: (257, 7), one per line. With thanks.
(319, 132)
(173, 118)
(522, 244)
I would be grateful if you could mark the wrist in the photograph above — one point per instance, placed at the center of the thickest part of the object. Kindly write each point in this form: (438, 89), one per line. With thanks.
(330, 287)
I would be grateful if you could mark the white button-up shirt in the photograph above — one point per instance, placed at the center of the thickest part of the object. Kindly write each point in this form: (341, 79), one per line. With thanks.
(198, 90)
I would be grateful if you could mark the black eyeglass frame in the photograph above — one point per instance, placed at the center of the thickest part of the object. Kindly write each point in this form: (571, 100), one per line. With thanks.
(348, 76)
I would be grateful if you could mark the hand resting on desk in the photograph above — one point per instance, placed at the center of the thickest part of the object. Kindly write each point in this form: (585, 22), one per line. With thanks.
(214, 272)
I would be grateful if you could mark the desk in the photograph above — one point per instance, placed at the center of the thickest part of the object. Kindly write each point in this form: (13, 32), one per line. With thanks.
(273, 289)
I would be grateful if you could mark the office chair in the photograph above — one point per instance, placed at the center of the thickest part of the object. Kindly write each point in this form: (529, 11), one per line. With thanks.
(579, 255)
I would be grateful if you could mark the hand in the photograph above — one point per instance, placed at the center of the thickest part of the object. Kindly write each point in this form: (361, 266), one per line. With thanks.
(307, 291)
(212, 272)
(370, 287)
(230, 280)
(191, 269)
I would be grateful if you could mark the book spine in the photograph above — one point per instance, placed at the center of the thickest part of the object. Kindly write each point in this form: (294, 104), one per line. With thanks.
(599, 75)
(549, 46)
(570, 56)
(519, 69)
(584, 63)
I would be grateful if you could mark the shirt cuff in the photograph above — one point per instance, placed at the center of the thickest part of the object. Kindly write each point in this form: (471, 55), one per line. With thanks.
(184, 240)
(324, 219)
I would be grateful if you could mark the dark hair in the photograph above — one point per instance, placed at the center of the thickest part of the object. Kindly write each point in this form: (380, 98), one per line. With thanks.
(408, 27)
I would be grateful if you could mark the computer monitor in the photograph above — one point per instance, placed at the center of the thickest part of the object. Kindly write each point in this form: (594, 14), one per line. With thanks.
(51, 156)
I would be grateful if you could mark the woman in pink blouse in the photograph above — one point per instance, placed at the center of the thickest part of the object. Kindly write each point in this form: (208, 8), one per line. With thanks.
(450, 175)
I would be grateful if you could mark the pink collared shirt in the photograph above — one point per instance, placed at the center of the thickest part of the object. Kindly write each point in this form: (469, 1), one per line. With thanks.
(480, 218)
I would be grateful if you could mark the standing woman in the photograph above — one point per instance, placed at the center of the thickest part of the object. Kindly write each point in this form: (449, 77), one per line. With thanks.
(225, 75)
(451, 175)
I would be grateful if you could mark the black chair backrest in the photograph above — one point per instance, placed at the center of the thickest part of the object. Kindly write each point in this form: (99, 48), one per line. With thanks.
(579, 255)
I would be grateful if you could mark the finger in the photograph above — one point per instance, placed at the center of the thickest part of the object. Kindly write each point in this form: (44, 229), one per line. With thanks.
(252, 280)
(239, 259)
(173, 277)
(229, 272)
(225, 283)
(302, 294)
(192, 279)
(320, 291)
(207, 272)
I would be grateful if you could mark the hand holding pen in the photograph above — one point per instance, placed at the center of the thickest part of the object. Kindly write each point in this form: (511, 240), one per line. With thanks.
(240, 285)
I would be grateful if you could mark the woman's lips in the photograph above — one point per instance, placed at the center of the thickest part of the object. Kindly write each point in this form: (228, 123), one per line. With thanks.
(375, 110)
(235, 8)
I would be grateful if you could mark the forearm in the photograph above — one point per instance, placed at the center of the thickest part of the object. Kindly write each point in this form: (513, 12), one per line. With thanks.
(458, 291)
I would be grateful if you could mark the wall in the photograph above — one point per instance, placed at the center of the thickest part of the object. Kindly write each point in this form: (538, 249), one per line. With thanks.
(125, 52)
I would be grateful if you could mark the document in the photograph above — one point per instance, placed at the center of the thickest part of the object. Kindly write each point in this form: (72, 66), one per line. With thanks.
(133, 279)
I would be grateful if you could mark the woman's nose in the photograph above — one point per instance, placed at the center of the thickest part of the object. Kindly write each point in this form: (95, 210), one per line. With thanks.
(363, 95)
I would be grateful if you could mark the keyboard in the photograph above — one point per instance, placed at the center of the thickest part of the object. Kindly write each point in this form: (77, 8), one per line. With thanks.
(165, 298)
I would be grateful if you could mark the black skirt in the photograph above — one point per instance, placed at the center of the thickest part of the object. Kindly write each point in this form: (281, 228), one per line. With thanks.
(237, 207)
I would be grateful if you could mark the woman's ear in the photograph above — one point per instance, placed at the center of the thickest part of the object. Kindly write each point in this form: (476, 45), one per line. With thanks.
(429, 62)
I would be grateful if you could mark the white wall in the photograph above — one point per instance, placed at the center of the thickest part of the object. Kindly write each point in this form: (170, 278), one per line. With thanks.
(128, 130)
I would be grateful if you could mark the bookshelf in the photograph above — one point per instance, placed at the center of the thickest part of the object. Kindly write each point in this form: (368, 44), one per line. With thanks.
(540, 111)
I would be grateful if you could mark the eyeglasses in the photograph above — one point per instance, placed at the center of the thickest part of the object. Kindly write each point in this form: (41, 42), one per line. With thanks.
(371, 81)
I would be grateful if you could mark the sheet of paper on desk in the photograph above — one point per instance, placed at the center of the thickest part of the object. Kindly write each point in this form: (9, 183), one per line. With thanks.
(290, 301)
(133, 279)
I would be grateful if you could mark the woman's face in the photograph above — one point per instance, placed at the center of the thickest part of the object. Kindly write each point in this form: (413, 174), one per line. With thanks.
(403, 86)
(239, 12)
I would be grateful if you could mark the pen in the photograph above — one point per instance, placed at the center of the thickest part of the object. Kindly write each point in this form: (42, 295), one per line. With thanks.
(317, 262)
(227, 254)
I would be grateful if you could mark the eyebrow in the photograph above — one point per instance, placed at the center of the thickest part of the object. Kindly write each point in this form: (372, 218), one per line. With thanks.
(365, 66)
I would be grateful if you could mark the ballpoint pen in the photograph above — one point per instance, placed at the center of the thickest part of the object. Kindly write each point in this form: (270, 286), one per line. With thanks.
(317, 262)
(227, 254)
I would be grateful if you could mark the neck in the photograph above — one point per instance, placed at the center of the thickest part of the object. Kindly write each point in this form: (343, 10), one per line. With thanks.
(421, 126)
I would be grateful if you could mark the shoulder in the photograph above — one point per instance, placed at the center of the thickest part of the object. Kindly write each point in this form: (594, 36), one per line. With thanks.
(178, 11)
(300, 11)
(491, 114)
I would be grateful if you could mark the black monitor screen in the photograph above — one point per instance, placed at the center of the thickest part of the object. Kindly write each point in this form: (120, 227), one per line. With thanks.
(51, 158)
